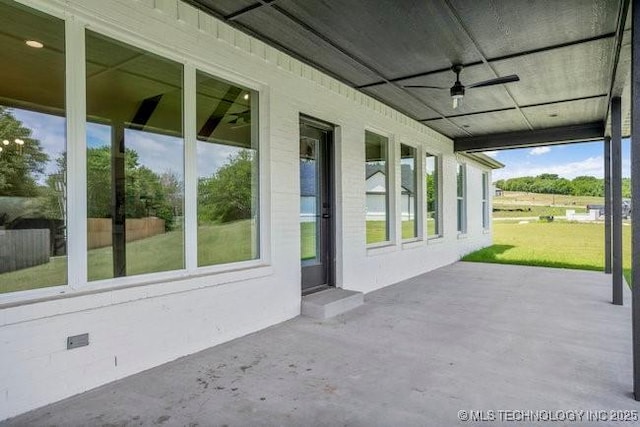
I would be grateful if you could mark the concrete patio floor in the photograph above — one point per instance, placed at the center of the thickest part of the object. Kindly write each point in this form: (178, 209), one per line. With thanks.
(465, 337)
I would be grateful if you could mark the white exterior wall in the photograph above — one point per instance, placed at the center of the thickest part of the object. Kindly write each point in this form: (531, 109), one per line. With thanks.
(139, 326)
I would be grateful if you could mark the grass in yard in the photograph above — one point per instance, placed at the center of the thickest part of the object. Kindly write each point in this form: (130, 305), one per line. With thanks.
(555, 244)
(518, 211)
(522, 198)
(217, 244)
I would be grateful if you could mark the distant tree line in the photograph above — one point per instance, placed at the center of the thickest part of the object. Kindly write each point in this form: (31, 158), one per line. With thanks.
(549, 183)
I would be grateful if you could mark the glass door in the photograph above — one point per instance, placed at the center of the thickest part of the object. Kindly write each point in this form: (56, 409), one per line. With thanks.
(316, 210)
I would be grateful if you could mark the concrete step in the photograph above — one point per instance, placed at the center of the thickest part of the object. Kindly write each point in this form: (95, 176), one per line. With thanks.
(330, 302)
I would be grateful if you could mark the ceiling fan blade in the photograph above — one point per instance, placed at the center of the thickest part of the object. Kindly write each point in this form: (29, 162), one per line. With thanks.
(496, 81)
(424, 87)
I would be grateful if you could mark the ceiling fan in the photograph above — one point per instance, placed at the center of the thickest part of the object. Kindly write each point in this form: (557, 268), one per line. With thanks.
(458, 89)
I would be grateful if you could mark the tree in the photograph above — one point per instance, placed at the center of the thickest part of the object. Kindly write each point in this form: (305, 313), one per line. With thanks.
(227, 195)
(20, 165)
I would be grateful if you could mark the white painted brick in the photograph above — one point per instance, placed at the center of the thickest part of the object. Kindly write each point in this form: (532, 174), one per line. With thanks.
(141, 327)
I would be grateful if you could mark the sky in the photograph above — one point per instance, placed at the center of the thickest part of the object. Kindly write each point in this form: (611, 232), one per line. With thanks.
(566, 160)
(159, 153)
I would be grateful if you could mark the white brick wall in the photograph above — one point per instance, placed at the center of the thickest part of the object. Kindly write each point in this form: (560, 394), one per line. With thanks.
(139, 327)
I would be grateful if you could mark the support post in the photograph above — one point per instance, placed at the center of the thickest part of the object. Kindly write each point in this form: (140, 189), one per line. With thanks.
(635, 194)
(616, 199)
(607, 205)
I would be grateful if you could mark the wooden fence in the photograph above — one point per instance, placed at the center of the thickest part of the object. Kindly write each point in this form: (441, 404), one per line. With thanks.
(99, 230)
(23, 248)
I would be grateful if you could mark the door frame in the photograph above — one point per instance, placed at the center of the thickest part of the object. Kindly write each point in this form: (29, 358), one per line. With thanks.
(331, 183)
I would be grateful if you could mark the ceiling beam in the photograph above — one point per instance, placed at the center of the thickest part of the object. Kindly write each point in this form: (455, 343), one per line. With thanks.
(237, 14)
(498, 110)
(527, 138)
(496, 59)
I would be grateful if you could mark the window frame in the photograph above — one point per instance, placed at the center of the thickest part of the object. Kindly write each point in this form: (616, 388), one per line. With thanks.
(417, 202)
(438, 172)
(461, 200)
(76, 120)
(390, 188)
(486, 216)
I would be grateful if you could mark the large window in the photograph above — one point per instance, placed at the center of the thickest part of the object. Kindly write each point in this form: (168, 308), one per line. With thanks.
(33, 202)
(227, 172)
(432, 196)
(461, 180)
(135, 165)
(486, 217)
(408, 186)
(377, 187)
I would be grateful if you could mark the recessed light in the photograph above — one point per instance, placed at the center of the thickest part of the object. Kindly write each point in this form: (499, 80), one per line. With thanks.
(246, 96)
(34, 43)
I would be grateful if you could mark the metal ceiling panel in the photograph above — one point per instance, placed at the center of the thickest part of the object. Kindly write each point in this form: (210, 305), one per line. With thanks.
(566, 113)
(226, 7)
(447, 128)
(396, 37)
(400, 100)
(496, 122)
(269, 23)
(566, 73)
(475, 99)
(504, 27)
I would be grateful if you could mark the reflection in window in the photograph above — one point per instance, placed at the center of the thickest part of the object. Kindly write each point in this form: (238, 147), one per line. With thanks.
(33, 206)
(408, 185)
(309, 194)
(134, 161)
(461, 184)
(377, 187)
(227, 172)
(432, 173)
(485, 201)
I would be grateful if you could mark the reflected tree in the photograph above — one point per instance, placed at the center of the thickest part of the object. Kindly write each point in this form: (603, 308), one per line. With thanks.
(20, 165)
(227, 195)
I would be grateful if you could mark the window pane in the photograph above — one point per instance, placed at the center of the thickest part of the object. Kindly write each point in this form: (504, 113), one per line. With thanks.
(432, 196)
(33, 203)
(228, 176)
(485, 200)
(461, 180)
(135, 165)
(377, 186)
(408, 191)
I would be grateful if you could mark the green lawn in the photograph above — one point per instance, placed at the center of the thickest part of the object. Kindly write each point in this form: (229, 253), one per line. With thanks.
(217, 244)
(517, 211)
(555, 244)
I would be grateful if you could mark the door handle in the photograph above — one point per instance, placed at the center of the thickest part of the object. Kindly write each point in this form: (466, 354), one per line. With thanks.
(326, 216)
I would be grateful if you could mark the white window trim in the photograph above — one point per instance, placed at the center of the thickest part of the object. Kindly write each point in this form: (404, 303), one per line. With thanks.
(418, 217)
(374, 248)
(76, 23)
(438, 163)
(486, 205)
